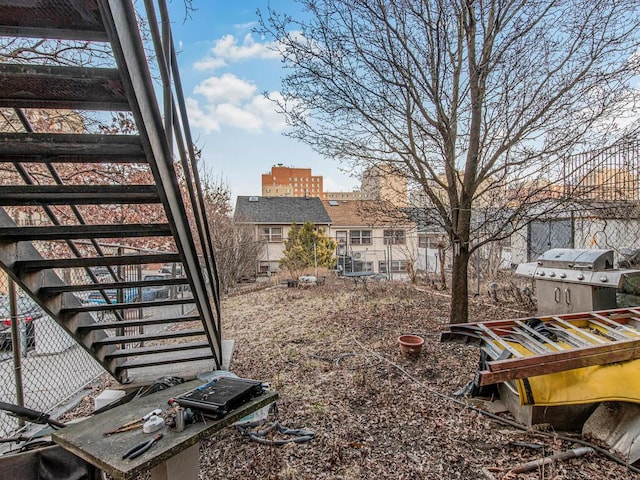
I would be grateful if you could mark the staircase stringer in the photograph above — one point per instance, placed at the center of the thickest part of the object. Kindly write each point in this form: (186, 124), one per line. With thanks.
(120, 21)
(12, 252)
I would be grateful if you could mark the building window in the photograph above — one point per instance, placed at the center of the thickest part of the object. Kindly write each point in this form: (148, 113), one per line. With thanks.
(360, 237)
(423, 241)
(267, 267)
(397, 266)
(394, 237)
(272, 234)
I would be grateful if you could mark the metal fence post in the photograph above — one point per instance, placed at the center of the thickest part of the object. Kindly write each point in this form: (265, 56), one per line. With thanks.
(16, 346)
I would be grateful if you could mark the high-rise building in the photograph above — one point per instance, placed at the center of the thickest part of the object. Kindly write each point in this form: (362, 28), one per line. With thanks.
(385, 182)
(284, 181)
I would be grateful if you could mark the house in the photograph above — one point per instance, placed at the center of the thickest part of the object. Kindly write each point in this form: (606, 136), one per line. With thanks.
(371, 238)
(272, 218)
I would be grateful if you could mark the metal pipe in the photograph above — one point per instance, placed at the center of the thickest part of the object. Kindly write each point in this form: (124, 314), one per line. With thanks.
(16, 347)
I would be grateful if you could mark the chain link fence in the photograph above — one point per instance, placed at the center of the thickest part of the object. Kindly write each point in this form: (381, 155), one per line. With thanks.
(41, 365)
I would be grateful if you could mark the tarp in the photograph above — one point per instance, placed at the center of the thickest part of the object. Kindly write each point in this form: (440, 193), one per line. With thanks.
(599, 383)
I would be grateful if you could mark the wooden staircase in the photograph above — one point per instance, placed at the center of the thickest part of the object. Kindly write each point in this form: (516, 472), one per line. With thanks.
(89, 205)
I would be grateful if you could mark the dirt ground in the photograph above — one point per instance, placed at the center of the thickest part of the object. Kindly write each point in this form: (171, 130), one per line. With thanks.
(331, 352)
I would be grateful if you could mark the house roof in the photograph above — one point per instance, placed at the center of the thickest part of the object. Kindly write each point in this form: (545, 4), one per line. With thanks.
(280, 210)
(358, 213)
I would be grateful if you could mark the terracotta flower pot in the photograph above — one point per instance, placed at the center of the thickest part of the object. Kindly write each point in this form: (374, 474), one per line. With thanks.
(410, 345)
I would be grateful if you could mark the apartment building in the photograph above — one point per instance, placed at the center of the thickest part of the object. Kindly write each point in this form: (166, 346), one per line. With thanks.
(284, 181)
(367, 240)
(272, 218)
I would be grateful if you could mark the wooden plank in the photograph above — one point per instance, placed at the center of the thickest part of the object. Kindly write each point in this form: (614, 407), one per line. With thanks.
(614, 323)
(86, 440)
(579, 331)
(496, 338)
(511, 369)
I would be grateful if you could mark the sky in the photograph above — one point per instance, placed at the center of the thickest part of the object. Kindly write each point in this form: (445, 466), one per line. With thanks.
(225, 69)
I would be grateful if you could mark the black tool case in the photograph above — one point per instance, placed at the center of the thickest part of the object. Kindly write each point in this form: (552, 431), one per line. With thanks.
(218, 398)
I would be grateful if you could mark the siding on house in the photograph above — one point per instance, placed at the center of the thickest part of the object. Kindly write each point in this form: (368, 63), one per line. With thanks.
(272, 218)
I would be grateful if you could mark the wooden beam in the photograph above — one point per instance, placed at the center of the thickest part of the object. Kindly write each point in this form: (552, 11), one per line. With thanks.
(535, 365)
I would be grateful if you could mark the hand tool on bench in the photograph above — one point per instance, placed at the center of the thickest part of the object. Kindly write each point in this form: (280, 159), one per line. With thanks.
(133, 424)
(139, 449)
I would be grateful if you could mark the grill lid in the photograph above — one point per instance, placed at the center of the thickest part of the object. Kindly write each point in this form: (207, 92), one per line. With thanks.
(575, 258)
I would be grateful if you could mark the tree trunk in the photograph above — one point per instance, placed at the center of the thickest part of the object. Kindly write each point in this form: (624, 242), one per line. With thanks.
(459, 285)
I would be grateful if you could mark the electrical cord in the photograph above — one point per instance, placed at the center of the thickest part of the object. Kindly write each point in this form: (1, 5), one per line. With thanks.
(295, 436)
(505, 421)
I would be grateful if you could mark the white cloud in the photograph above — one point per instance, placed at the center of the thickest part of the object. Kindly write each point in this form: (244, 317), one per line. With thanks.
(266, 110)
(226, 88)
(201, 119)
(209, 63)
(229, 101)
(227, 49)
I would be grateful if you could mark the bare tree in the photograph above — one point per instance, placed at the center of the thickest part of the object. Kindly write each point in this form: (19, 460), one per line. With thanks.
(466, 97)
(235, 245)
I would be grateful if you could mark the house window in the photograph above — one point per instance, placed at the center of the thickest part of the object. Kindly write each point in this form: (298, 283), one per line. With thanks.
(394, 237)
(397, 266)
(422, 241)
(272, 234)
(267, 267)
(360, 237)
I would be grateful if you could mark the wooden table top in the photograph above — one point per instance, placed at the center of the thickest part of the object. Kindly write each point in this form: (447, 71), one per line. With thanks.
(86, 439)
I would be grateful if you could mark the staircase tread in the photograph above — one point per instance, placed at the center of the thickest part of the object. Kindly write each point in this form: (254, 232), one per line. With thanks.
(61, 87)
(149, 336)
(137, 323)
(48, 291)
(70, 144)
(42, 264)
(101, 307)
(68, 19)
(131, 352)
(74, 232)
(188, 356)
(78, 194)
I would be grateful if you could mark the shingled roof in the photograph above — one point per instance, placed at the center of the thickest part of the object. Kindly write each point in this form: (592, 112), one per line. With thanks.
(356, 213)
(281, 210)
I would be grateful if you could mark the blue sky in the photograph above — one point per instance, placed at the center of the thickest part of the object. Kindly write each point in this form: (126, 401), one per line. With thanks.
(225, 69)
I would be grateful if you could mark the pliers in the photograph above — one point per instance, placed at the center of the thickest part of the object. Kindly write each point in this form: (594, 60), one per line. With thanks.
(141, 448)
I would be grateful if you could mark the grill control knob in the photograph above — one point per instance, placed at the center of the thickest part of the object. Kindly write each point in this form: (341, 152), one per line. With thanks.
(541, 273)
(604, 279)
(563, 275)
(552, 274)
(580, 276)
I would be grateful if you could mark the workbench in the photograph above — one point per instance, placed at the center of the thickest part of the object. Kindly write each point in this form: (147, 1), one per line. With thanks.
(175, 456)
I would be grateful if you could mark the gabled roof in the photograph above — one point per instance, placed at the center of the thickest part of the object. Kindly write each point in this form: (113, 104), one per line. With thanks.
(281, 210)
(360, 213)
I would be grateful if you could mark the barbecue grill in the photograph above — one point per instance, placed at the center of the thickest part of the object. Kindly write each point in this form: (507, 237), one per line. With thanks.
(572, 280)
